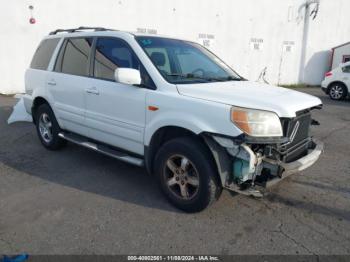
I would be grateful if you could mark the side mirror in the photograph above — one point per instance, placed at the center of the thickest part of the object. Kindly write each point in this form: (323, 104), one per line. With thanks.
(127, 76)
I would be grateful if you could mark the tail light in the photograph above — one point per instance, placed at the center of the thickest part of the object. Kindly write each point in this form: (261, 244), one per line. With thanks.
(328, 74)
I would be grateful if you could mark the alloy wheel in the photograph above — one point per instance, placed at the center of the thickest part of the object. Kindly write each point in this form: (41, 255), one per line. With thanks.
(181, 177)
(336, 92)
(45, 128)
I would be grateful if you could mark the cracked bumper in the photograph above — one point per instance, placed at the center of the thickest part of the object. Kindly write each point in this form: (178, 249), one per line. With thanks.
(298, 165)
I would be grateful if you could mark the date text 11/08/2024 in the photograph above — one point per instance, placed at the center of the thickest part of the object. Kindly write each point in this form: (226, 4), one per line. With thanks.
(173, 258)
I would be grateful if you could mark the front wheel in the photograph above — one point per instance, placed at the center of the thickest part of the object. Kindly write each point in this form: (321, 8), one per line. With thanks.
(187, 174)
(337, 91)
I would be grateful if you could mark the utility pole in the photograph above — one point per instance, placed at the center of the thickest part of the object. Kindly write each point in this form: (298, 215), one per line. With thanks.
(307, 14)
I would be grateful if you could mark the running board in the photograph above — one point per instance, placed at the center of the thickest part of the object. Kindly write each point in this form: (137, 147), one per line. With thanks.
(79, 140)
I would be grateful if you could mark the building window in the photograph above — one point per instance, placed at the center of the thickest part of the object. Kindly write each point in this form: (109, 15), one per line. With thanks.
(346, 58)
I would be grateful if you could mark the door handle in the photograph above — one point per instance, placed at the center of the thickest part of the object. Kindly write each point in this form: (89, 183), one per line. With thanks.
(93, 91)
(51, 82)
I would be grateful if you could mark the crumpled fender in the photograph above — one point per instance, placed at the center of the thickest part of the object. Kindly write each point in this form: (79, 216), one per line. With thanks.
(19, 113)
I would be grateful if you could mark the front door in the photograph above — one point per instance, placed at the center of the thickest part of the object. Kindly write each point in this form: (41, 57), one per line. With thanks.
(115, 112)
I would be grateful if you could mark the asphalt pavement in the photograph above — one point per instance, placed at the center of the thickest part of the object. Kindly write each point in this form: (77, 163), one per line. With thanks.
(76, 201)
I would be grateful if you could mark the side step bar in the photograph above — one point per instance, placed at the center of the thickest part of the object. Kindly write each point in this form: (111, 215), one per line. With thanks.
(79, 140)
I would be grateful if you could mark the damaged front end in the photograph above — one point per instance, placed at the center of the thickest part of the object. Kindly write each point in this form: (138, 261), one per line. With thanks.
(248, 164)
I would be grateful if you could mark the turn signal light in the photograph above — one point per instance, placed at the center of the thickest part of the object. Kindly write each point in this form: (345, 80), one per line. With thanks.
(152, 108)
(241, 120)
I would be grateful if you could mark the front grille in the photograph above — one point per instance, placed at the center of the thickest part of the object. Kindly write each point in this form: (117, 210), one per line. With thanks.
(296, 129)
(302, 132)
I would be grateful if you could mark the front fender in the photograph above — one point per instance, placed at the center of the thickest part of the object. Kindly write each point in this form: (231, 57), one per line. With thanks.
(195, 115)
(173, 119)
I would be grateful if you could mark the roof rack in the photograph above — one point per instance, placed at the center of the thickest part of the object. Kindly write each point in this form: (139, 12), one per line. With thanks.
(79, 29)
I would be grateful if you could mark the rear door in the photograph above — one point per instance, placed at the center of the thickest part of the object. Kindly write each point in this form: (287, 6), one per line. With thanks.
(66, 84)
(115, 112)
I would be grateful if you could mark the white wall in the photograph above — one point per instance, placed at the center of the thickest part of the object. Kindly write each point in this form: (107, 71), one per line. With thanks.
(234, 24)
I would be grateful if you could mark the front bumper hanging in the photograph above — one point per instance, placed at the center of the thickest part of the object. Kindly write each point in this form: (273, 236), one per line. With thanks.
(225, 152)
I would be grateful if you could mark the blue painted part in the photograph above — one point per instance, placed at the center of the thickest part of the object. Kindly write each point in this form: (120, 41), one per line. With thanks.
(240, 170)
(18, 258)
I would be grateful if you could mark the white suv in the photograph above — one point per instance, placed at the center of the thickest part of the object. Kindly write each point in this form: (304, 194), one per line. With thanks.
(337, 82)
(172, 106)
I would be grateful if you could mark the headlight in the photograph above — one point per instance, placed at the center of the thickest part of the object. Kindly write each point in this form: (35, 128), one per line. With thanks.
(256, 122)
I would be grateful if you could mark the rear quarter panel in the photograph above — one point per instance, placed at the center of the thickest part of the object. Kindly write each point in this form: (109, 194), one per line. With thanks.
(35, 81)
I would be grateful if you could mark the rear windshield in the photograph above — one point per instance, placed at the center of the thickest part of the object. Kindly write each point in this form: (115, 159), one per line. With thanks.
(43, 54)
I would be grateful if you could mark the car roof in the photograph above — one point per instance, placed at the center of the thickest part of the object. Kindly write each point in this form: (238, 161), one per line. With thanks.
(61, 34)
(77, 32)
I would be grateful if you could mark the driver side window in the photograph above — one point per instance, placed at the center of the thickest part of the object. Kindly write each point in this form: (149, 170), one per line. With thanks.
(112, 53)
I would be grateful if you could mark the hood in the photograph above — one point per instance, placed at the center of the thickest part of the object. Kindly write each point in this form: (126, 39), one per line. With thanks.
(284, 102)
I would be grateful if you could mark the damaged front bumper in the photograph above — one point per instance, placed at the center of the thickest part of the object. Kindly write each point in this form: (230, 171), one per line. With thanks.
(247, 168)
(314, 152)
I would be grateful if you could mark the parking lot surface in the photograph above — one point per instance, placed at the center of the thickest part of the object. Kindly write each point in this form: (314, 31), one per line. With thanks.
(76, 201)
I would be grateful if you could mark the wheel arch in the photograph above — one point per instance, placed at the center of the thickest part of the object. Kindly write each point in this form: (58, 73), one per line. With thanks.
(38, 101)
(166, 133)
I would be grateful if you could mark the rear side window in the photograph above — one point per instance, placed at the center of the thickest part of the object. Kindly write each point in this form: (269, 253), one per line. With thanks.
(112, 53)
(346, 69)
(74, 57)
(43, 54)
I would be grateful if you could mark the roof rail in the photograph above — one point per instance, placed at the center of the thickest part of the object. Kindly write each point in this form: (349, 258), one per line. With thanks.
(79, 29)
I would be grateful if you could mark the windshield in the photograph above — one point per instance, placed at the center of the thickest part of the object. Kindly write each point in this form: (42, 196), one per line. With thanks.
(182, 62)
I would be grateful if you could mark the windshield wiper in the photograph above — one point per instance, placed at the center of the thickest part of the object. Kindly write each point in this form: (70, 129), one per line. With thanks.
(189, 76)
(192, 76)
(231, 78)
(209, 79)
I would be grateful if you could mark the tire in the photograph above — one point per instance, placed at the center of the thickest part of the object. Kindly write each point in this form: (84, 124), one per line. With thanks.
(338, 91)
(48, 128)
(187, 174)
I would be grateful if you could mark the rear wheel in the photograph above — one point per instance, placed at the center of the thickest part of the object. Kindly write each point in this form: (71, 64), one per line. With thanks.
(187, 174)
(337, 91)
(48, 128)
